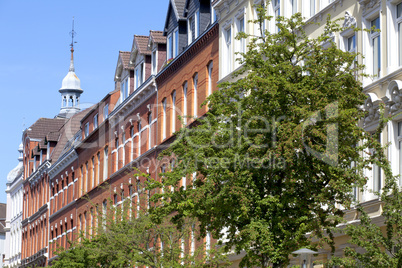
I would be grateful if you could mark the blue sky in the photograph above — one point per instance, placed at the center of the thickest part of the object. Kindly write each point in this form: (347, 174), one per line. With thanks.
(34, 57)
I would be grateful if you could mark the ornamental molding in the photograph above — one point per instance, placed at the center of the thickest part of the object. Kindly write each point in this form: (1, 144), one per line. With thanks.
(369, 5)
(394, 96)
(137, 98)
(34, 178)
(62, 163)
(371, 105)
(349, 21)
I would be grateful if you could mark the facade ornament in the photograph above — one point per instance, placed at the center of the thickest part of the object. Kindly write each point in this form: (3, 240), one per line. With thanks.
(349, 20)
(372, 107)
(368, 4)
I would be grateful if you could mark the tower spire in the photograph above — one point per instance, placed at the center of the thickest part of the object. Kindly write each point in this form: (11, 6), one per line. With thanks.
(71, 86)
(72, 33)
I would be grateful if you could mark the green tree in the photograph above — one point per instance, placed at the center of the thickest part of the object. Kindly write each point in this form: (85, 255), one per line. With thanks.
(277, 152)
(126, 237)
(374, 246)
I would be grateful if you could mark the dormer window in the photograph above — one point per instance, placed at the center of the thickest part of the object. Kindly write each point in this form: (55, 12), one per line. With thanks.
(124, 89)
(106, 112)
(86, 130)
(190, 30)
(95, 121)
(139, 75)
(154, 62)
(173, 44)
(197, 24)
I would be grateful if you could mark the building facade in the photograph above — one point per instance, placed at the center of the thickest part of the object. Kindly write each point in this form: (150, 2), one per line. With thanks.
(14, 193)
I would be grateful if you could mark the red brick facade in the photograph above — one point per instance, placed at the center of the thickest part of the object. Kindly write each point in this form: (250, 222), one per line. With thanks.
(76, 166)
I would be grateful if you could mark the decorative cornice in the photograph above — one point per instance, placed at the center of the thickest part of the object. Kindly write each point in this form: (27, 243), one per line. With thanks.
(188, 54)
(33, 179)
(141, 94)
(62, 163)
(367, 5)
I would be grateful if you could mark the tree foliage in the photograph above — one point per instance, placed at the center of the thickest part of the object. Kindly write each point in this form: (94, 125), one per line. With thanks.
(125, 237)
(277, 152)
(377, 244)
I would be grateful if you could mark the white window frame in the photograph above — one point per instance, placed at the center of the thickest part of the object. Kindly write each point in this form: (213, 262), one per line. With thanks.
(154, 62)
(368, 45)
(173, 111)
(105, 163)
(86, 129)
(227, 49)
(95, 124)
(164, 104)
(394, 36)
(185, 95)
(240, 45)
(170, 47)
(195, 103)
(106, 111)
(149, 129)
(139, 68)
(190, 30)
(197, 24)
(210, 69)
(276, 9)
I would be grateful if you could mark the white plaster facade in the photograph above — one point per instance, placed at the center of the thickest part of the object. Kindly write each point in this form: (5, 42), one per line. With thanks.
(14, 215)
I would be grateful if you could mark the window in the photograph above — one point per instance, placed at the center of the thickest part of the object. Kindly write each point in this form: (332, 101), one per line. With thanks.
(190, 23)
(96, 121)
(176, 42)
(400, 151)
(197, 24)
(173, 111)
(149, 129)
(97, 168)
(377, 173)
(173, 44)
(351, 44)
(185, 102)
(240, 44)
(86, 177)
(115, 199)
(399, 22)
(277, 11)
(106, 111)
(195, 82)
(164, 119)
(154, 62)
(210, 68)
(124, 89)
(170, 47)
(139, 75)
(376, 46)
(82, 179)
(105, 163)
(117, 153)
(312, 8)
(104, 211)
(93, 171)
(228, 50)
(294, 6)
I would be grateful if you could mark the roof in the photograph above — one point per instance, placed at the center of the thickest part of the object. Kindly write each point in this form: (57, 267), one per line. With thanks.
(141, 42)
(125, 59)
(157, 37)
(43, 126)
(179, 5)
(53, 136)
(178, 8)
(67, 132)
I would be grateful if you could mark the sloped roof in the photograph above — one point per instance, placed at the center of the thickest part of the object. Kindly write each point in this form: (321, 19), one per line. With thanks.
(141, 42)
(43, 126)
(67, 132)
(125, 59)
(157, 37)
(179, 5)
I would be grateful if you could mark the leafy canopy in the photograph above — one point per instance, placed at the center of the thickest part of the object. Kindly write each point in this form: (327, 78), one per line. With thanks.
(277, 152)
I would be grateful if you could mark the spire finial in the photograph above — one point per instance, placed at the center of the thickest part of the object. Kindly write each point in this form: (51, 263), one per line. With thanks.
(72, 33)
